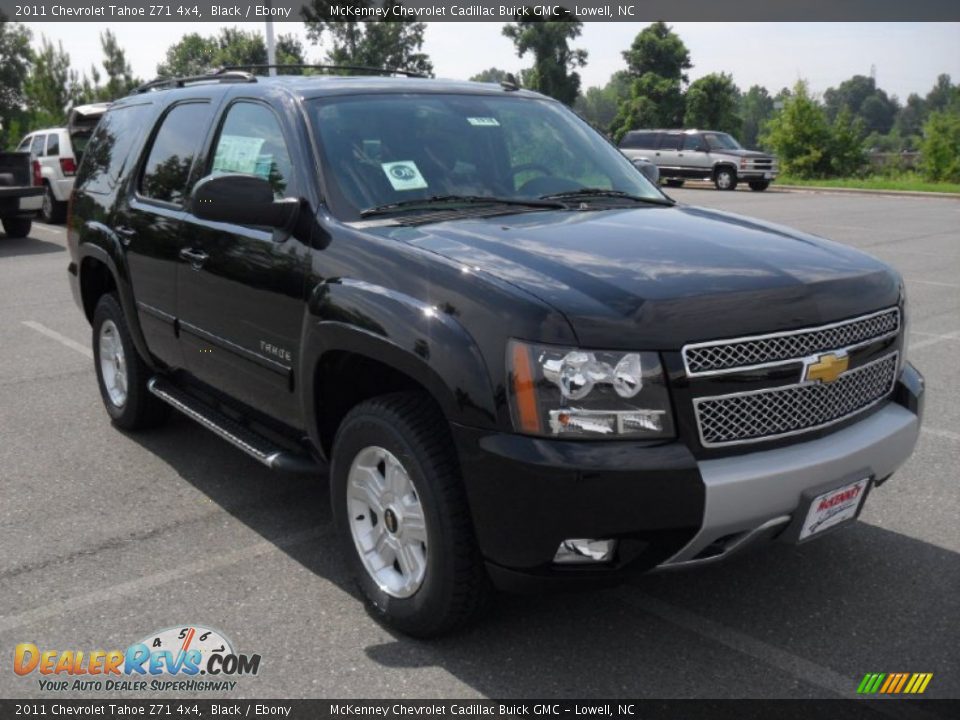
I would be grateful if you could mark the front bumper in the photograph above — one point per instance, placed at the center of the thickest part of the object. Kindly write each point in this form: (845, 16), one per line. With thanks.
(666, 508)
(748, 174)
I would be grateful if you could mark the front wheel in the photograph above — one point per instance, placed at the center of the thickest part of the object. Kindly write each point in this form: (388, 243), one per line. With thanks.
(121, 373)
(759, 185)
(725, 178)
(402, 516)
(17, 227)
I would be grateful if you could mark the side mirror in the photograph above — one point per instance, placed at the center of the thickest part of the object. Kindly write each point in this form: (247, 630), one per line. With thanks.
(241, 200)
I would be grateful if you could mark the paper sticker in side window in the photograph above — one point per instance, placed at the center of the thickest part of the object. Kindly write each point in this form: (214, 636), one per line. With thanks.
(239, 154)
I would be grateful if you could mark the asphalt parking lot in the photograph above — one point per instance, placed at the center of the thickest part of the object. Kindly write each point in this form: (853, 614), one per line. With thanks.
(106, 537)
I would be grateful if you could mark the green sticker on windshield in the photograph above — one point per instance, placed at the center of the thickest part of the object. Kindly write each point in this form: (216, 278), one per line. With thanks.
(483, 121)
(404, 175)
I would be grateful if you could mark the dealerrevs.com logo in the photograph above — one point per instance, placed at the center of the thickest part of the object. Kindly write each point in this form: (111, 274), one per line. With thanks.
(189, 658)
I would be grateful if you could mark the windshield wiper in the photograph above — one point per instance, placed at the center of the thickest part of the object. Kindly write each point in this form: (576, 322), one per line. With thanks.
(588, 192)
(425, 203)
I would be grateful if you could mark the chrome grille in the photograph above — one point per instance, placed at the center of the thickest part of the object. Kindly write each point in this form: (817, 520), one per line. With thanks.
(710, 358)
(776, 412)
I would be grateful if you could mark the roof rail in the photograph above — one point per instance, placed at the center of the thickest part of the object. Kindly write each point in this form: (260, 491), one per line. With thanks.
(299, 66)
(217, 76)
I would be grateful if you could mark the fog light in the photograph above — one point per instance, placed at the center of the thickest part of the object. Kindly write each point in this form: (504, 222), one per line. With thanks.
(584, 550)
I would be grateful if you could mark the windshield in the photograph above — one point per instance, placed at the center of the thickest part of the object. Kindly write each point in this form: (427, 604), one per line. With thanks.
(385, 149)
(721, 141)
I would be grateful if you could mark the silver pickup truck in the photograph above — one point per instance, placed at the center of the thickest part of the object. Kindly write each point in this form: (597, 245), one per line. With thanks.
(701, 155)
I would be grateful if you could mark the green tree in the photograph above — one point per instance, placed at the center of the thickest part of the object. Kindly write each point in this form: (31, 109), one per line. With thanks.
(756, 107)
(943, 94)
(713, 103)
(15, 55)
(800, 135)
(49, 87)
(120, 79)
(845, 151)
(490, 75)
(384, 43)
(940, 148)
(195, 54)
(657, 62)
(910, 118)
(599, 105)
(861, 96)
(554, 61)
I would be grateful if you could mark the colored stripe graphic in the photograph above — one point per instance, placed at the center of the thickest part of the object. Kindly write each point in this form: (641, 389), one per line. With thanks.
(894, 683)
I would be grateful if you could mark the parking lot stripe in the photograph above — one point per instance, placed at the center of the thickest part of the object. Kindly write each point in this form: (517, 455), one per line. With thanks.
(802, 669)
(136, 587)
(63, 339)
(934, 340)
(941, 433)
(932, 282)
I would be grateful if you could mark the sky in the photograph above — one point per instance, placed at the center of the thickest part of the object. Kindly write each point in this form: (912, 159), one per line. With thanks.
(906, 57)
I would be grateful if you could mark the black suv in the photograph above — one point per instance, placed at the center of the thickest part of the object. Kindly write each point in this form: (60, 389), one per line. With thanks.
(525, 365)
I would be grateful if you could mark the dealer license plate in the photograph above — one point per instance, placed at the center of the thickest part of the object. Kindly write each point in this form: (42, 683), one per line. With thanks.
(834, 507)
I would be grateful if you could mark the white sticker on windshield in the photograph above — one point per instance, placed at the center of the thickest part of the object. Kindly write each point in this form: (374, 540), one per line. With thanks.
(483, 122)
(404, 175)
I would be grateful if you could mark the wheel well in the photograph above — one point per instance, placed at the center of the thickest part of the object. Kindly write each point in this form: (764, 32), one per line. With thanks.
(343, 380)
(720, 166)
(95, 281)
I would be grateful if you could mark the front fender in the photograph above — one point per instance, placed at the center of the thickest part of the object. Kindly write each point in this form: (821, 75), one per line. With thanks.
(103, 245)
(423, 342)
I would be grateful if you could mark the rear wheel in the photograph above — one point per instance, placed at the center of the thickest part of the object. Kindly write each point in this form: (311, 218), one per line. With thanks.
(17, 227)
(725, 178)
(121, 373)
(673, 183)
(402, 516)
(759, 185)
(52, 210)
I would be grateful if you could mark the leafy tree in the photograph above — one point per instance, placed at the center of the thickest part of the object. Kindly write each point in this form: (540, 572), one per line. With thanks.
(490, 75)
(808, 144)
(120, 79)
(554, 61)
(657, 62)
(910, 119)
(943, 94)
(195, 54)
(382, 43)
(599, 105)
(940, 148)
(861, 96)
(712, 103)
(49, 86)
(756, 107)
(15, 55)
(800, 135)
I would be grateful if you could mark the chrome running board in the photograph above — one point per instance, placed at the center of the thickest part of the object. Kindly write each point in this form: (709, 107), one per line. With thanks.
(252, 443)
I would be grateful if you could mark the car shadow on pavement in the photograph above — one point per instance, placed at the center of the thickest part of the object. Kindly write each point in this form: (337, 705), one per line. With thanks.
(12, 247)
(863, 600)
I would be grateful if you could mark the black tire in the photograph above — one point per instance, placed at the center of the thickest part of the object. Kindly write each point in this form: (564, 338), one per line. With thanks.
(52, 210)
(455, 585)
(725, 178)
(759, 185)
(141, 409)
(17, 227)
(673, 183)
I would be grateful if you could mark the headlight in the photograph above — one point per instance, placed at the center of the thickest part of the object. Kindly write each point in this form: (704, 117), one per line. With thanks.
(588, 393)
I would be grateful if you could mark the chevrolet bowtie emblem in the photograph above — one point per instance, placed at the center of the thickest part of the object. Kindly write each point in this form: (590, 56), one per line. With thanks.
(825, 368)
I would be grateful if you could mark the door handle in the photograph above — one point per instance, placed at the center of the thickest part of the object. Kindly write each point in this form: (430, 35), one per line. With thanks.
(657, 154)
(194, 257)
(126, 234)
(679, 154)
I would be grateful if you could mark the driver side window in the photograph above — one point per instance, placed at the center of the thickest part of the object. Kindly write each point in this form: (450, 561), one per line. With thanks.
(693, 143)
(251, 142)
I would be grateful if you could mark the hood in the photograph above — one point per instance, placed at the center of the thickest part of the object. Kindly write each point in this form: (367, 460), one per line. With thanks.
(659, 277)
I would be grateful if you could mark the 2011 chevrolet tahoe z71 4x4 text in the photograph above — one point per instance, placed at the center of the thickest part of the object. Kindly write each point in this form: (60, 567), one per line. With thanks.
(523, 362)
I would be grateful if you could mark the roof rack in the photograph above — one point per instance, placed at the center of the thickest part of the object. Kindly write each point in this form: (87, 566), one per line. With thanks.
(218, 76)
(298, 66)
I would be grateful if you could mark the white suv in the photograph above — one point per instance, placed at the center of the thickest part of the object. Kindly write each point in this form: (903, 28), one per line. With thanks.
(58, 150)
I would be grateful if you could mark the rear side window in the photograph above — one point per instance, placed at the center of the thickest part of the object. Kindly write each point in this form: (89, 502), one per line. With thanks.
(251, 142)
(670, 141)
(107, 153)
(167, 169)
(53, 144)
(36, 147)
(693, 142)
(639, 141)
